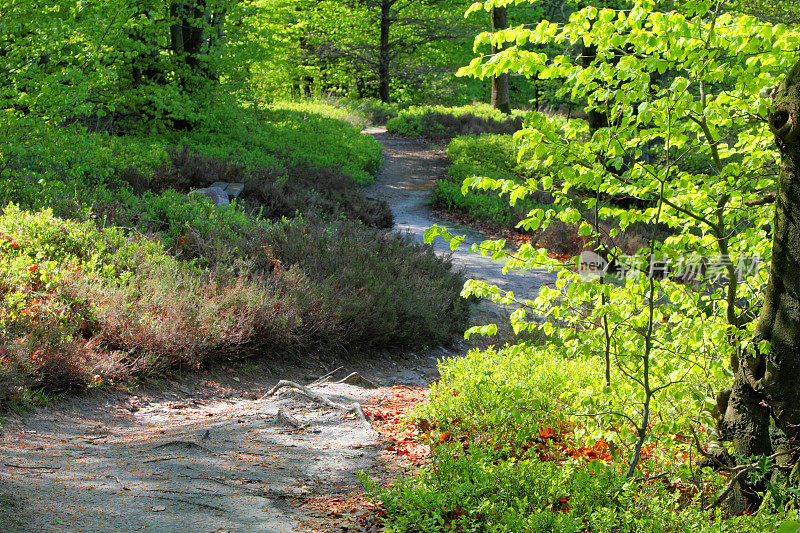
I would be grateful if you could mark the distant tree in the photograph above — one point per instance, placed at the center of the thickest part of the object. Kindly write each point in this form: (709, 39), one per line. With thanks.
(394, 32)
(149, 59)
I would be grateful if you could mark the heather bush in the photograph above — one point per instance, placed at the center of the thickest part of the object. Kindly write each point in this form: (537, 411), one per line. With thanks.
(272, 192)
(389, 290)
(77, 300)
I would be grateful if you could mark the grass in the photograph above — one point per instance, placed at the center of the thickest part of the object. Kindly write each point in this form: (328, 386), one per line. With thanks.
(439, 123)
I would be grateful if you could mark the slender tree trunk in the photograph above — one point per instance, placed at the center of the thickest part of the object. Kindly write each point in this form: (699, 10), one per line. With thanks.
(500, 99)
(384, 74)
(762, 416)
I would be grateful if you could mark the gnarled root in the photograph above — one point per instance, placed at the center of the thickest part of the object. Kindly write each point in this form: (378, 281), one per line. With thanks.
(319, 398)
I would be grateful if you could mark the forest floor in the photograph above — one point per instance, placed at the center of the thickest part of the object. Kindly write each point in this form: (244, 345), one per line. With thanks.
(203, 453)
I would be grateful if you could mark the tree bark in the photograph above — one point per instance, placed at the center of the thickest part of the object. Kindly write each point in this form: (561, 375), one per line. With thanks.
(189, 39)
(763, 414)
(597, 118)
(500, 98)
(384, 60)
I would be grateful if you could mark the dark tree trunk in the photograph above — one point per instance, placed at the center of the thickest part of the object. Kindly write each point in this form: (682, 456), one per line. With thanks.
(597, 118)
(145, 65)
(384, 57)
(762, 416)
(500, 99)
(189, 39)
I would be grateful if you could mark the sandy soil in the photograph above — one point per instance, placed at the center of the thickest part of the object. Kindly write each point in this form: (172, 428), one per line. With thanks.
(198, 454)
(202, 453)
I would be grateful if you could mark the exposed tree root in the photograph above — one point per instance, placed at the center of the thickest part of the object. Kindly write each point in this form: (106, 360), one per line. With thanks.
(319, 398)
(358, 380)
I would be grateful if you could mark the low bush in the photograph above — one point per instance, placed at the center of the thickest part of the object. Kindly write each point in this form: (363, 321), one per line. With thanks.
(479, 491)
(389, 290)
(439, 123)
(77, 300)
(509, 455)
(273, 193)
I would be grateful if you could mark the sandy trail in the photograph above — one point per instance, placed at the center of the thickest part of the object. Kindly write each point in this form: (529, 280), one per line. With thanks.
(202, 455)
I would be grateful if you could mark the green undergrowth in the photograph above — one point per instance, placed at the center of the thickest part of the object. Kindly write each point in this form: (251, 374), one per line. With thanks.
(487, 155)
(480, 492)
(511, 453)
(438, 123)
(40, 163)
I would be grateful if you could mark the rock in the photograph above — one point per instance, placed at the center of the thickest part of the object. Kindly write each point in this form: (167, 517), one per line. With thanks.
(215, 194)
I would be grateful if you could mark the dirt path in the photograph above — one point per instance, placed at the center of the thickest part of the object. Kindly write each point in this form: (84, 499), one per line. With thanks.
(409, 173)
(202, 454)
(197, 455)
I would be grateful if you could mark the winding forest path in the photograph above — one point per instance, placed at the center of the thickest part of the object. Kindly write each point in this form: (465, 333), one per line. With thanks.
(202, 453)
(409, 172)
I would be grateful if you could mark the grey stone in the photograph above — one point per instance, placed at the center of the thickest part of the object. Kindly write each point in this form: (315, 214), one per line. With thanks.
(234, 189)
(215, 194)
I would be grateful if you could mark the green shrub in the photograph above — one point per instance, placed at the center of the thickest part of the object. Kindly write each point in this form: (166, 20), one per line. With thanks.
(478, 491)
(505, 460)
(108, 268)
(510, 392)
(440, 123)
(492, 152)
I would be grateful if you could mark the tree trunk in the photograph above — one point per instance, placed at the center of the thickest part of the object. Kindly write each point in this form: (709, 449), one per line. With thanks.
(188, 34)
(597, 118)
(763, 414)
(500, 99)
(383, 53)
